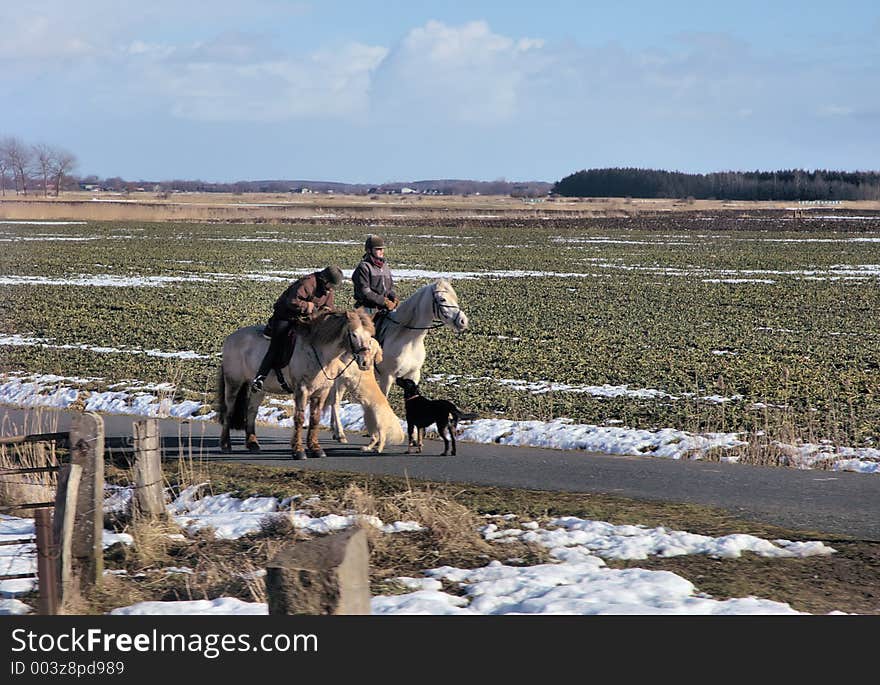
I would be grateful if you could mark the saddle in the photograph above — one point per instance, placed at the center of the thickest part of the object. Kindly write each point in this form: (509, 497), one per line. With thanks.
(284, 354)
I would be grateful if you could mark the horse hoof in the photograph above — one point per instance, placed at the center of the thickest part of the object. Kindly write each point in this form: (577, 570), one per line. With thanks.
(253, 446)
(300, 455)
(317, 453)
(225, 449)
(342, 439)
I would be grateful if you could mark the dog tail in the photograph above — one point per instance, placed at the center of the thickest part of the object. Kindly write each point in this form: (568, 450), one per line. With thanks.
(458, 415)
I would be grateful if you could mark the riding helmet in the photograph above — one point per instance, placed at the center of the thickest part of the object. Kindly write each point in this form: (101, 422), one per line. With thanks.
(332, 276)
(374, 241)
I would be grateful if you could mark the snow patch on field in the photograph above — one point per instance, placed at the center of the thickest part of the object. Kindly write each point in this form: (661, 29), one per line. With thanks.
(17, 340)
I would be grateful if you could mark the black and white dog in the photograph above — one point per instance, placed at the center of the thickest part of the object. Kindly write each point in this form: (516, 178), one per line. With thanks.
(422, 412)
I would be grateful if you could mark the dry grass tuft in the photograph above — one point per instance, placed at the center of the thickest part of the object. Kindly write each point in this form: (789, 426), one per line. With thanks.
(19, 488)
(276, 526)
(248, 574)
(114, 591)
(450, 524)
(151, 541)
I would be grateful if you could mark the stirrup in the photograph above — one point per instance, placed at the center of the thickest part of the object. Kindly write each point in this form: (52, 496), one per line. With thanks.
(283, 383)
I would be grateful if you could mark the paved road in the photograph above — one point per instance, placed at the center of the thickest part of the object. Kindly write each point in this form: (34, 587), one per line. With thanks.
(833, 503)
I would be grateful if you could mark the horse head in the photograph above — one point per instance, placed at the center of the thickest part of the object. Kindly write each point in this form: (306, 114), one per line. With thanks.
(350, 330)
(360, 339)
(446, 308)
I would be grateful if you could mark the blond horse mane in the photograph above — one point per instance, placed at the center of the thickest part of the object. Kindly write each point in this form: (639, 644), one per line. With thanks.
(330, 327)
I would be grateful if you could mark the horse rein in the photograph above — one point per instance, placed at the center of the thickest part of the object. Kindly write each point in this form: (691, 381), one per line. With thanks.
(438, 317)
(344, 368)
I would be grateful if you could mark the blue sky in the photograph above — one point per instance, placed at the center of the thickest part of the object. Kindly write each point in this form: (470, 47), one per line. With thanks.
(374, 92)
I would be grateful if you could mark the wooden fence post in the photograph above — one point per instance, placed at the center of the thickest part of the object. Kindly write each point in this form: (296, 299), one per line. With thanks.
(327, 575)
(149, 494)
(69, 476)
(87, 450)
(47, 604)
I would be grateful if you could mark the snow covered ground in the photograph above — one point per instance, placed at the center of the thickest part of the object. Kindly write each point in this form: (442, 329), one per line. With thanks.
(577, 581)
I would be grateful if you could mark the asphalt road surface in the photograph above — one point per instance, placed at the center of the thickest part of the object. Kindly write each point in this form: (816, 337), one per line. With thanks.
(834, 503)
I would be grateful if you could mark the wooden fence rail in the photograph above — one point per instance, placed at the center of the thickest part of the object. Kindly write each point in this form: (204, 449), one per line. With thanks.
(58, 438)
(69, 550)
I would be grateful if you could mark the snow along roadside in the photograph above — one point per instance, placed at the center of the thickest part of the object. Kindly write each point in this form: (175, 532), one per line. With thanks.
(562, 433)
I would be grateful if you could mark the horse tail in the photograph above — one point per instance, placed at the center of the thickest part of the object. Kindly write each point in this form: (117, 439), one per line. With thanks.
(220, 396)
(238, 416)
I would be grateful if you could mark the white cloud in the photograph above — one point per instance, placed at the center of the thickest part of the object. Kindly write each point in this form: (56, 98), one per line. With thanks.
(240, 89)
(467, 74)
(41, 37)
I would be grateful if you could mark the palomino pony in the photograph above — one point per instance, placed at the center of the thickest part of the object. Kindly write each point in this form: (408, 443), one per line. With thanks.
(315, 364)
(403, 339)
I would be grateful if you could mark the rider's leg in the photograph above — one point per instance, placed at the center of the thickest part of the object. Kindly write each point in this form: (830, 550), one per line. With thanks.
(279, 334)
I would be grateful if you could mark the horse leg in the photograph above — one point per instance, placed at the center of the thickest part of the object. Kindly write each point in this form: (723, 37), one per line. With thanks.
(299, 417)
(254, 402)
(385, 380)
(315, 406)
(442, 428)
(410, 434)
(335, 400)
(452, 437)
(372, 445)
(225, 443)
(421, 438)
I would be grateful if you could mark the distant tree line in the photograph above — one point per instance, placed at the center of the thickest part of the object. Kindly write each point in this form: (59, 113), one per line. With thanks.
(437, 187)
(39, 167)
(48, 169)
(790, 184)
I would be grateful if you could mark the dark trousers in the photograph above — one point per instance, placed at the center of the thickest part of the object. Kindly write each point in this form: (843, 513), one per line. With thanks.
(280, 331)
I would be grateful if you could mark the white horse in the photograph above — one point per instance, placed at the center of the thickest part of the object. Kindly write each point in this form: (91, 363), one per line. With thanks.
(403, 340)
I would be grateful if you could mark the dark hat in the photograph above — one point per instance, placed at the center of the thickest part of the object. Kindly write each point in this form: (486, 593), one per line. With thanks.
(332, 276)
(374, 241)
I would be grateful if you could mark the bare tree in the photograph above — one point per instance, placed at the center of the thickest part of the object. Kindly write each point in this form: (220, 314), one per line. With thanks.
(43, 155)
(19, 159)
(3, 168)
(63, 162)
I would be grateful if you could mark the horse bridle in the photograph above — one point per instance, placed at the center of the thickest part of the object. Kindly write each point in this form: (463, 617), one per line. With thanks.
(354, 352)
(437, 316)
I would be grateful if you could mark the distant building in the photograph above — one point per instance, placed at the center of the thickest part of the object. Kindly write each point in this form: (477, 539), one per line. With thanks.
(408, 191)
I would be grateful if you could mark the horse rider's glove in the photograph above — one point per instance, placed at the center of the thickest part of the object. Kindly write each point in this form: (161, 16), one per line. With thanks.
(310, 307)
(390, 305)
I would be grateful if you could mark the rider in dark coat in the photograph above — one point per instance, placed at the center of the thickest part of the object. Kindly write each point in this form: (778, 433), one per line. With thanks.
(373, 284)
(298, 304)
